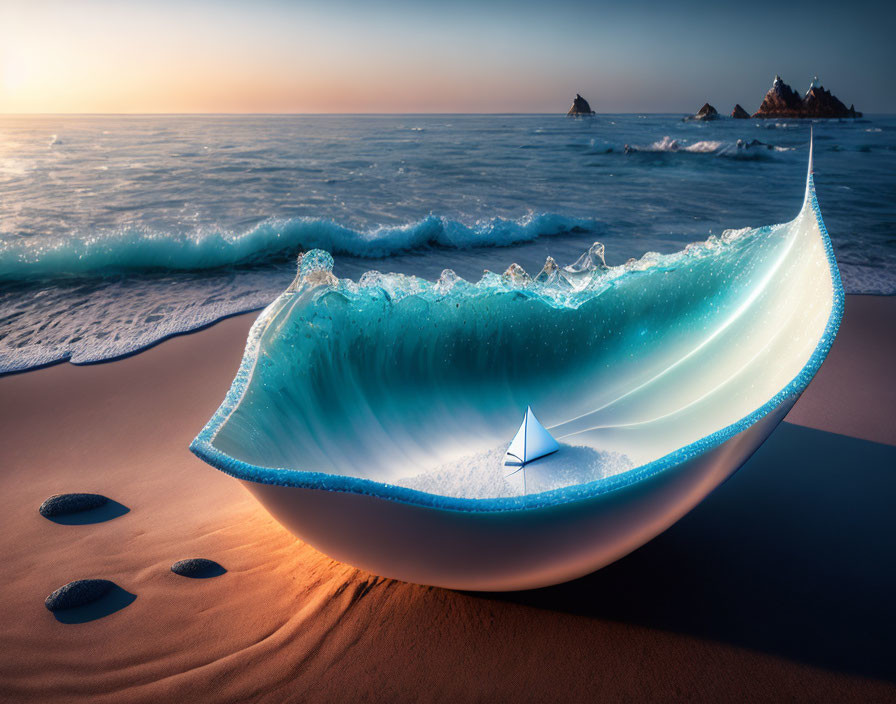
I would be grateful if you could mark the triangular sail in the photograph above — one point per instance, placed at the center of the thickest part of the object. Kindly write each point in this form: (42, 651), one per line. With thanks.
(531, 442)
(539, 441)
(516, 453)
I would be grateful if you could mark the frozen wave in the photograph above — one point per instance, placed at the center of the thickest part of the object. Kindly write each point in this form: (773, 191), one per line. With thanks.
(621, 361)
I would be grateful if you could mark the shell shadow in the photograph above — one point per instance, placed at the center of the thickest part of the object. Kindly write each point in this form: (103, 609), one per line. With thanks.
(791, 556)
(109, 510)
(113, 600)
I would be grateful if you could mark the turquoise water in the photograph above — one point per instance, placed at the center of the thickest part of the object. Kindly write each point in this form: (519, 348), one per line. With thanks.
(116, 232)
(633, 365)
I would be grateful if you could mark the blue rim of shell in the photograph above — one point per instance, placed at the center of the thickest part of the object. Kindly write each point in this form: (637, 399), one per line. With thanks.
(203, 448)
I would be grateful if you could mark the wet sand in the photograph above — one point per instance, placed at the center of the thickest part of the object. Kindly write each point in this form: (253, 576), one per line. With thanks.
(777, 587)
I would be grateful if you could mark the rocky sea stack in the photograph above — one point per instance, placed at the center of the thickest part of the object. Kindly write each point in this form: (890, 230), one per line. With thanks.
(739, 113)
(782, 101)
(707, 112)
(579, 107)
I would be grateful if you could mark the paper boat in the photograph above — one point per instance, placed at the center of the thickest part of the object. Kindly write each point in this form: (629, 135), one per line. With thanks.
(531, 442)
(684, 363)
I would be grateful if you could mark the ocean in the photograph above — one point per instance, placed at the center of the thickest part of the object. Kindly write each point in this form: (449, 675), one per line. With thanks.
(119, 231)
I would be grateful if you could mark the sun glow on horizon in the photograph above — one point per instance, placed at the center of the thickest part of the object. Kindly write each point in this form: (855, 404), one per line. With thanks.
(16, 71)
(397, 56)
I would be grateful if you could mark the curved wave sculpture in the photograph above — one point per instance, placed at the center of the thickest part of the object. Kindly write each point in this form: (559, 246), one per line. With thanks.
(371, 418)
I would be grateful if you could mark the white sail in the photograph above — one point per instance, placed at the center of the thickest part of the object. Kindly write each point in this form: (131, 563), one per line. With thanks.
(531, 442)
(516, 453)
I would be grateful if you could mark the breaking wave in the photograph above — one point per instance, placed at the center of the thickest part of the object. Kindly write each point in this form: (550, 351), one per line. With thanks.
(136, 250)
(741, 149)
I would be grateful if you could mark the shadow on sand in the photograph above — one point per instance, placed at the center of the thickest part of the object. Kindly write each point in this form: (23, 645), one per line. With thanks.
(793, 556)
(113, 600)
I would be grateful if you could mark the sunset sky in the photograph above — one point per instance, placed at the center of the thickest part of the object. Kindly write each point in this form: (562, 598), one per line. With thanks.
(452, 56)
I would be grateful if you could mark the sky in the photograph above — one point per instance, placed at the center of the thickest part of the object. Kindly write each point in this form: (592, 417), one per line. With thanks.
(395, 56)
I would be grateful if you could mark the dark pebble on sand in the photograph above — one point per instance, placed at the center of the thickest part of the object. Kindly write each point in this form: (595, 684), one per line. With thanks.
(78, 593)
(64, 504)
(197, 568)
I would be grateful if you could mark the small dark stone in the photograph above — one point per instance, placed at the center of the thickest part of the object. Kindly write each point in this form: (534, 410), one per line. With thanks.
(197, 568)
(739, 113)
(64, 504)
(78, 593)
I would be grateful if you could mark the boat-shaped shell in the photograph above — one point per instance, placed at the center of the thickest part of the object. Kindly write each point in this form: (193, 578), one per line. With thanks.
(679, 364)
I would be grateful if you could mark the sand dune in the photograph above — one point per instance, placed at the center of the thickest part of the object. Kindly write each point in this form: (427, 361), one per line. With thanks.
(766, 591)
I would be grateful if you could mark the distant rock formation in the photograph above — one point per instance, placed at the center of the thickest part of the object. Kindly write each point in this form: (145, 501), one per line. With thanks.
(739, 113)
(580, 106)
(820, 103)
(780, 101)
(707, 112)
(783, 101)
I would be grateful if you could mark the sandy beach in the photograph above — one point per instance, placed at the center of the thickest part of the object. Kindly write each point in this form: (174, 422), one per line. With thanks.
(778, 587)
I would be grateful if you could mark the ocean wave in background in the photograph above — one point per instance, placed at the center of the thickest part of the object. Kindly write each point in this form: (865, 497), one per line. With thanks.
(740, 149)
(734, 149)
(117, 232)
(127, 251)
(86, 320)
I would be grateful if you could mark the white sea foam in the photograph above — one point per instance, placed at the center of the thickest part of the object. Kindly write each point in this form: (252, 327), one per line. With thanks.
(737, 149)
